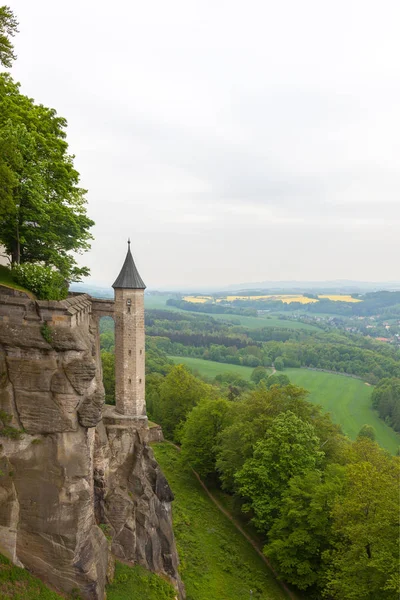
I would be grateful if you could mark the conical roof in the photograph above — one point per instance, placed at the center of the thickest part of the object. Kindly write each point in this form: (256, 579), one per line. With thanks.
(129, 277)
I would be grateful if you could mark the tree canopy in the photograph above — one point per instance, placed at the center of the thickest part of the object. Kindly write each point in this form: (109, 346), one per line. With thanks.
(8, 28)
(43, 217)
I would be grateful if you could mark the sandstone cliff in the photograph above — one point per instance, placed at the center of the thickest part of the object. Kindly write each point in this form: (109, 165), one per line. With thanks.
(72, 468)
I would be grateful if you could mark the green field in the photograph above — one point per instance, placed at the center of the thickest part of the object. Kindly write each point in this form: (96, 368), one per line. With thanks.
(210, 368)
(349, 402)
(347, 399)
(260, 322)
(217, 562)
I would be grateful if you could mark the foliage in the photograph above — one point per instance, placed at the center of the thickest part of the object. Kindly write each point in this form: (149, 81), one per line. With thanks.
(47, 333)
(302, 530)
(216, 560)
(179, 393)
(363, 561)
(199, 434)
(277, 379)
(108, 365)
(42, 209)
(44, 282)
(386, 399)
(7, 430)
(367, 431)
(290, 448)
(279, 363)
(259, 374)
(8, 28)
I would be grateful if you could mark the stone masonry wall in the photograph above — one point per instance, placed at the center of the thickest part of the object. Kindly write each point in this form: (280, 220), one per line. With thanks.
(129, 352)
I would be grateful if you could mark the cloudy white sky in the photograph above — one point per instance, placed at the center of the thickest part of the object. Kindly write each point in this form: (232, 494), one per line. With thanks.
(231, 140)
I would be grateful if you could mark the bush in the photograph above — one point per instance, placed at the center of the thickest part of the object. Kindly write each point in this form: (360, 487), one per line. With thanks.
(42, 281)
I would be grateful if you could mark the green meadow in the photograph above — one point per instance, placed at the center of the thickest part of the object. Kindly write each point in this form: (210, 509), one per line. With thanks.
(217, 562)
(349, 402)
(210, 368)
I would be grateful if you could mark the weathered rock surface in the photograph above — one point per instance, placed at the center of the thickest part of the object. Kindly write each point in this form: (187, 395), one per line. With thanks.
(134, 499)
(66, 473)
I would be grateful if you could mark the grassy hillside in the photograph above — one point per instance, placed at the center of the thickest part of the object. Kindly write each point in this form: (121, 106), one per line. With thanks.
(347, 399)
(133, 583)
(217, 562)
(210, 368)
(349, 402)
(19, 584)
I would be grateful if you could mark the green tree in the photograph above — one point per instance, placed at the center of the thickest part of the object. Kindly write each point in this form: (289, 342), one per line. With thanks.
(42, 208)
(204, 423)
(8, 28)
(363, 563)
(367, 431)
(290, 448)
(277, 379)
(302, 531)
(279, 363)
(108, 364)
(178, 394)
(259, 374)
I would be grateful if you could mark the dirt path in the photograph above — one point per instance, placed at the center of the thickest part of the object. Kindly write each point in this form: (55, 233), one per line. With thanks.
(242, 531)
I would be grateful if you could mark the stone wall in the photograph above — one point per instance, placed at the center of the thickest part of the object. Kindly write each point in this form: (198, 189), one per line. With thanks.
(72, 467)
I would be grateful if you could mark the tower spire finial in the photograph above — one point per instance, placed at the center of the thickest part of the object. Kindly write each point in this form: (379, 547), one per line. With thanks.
(129, 241)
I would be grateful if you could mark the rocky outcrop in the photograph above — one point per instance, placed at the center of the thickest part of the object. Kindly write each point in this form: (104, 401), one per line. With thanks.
(133, 498)
(64, 473)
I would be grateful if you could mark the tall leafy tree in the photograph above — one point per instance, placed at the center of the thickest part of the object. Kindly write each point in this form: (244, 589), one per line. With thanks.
(290, 448)
(302, 531)
(178, 394)
(43, 214)
(8, 28)
(363, 563)
(200, 431)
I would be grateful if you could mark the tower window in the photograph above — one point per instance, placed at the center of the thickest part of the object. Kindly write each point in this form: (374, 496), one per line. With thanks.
(129, 309)
(141, 351)
(129, 352)
(140, 381)
(130, 380)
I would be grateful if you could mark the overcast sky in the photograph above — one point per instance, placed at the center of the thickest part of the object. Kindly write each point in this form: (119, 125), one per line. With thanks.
(233, 141)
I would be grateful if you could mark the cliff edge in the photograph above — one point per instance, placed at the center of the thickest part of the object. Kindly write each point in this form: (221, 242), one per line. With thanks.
(78, 482)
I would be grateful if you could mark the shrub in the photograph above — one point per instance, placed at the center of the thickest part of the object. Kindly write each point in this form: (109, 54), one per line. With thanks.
(43, 281)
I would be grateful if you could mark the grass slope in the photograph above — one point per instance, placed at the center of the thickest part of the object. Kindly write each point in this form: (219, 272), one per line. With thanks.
(347, 399)
(349, 402)
(134, 583)
(7, 280)
(216, 560)
(19, 584)
(211, 368)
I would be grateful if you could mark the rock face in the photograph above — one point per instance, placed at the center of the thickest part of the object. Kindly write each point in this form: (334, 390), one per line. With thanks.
(68, 472)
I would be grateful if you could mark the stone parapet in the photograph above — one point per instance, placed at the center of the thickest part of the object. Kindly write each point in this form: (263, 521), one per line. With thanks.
(72, 312)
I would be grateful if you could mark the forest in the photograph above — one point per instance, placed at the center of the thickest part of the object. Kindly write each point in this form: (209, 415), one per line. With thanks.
(324, 507)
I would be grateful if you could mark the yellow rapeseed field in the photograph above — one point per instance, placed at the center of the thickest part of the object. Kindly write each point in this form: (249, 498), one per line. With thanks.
(339, 298)
(197, 299)
(286, 298)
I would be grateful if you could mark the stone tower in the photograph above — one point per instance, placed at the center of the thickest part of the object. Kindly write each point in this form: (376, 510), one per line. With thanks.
(129, 340)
